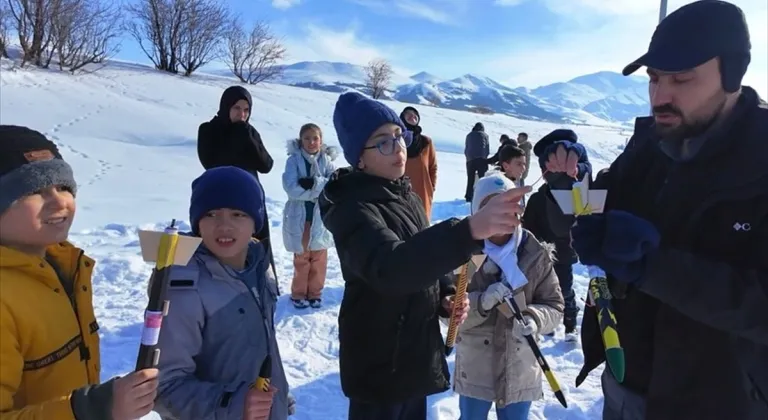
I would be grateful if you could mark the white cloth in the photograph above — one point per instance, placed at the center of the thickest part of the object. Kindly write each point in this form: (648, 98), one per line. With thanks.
(505, 256)
(492, 183)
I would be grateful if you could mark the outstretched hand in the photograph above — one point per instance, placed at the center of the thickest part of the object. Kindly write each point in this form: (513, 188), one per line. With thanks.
(500, 216)
(562, 158)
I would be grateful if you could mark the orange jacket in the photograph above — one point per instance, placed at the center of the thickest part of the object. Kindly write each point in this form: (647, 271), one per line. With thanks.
(422, 170)
(47, 348)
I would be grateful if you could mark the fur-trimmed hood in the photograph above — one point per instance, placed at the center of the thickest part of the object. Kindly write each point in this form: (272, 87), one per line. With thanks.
(293, 147)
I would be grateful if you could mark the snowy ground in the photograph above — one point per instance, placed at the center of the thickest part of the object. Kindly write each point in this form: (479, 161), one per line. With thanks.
(130, 134)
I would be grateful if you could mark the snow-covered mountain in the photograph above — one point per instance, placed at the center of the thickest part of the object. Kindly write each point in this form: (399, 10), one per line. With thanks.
(600, 98)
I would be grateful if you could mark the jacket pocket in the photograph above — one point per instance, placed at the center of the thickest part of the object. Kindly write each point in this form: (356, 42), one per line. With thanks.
(398, 337)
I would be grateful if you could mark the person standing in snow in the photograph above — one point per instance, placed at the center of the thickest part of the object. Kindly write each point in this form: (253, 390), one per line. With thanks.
(684, 235)
(504, 140)
(49, 340)
(421, 166)
(476, 150)
(544, 218)
(494, 363)
(220, 327)
(307, 169)
(523, 143)
(394, 265)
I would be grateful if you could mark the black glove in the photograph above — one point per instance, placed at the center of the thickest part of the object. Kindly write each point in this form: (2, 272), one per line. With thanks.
(307, 183)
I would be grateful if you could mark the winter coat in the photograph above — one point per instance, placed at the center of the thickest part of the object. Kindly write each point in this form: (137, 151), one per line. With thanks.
(301, 201)
(491, 363)
(476, 145)
(544, 218)
(695, 329)
(394, 266)
(218, 331)
(422, 171)
(49, 340)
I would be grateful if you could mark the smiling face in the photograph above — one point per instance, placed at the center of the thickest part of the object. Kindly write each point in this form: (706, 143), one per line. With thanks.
(411, 117)
(38, 220)
(227, 233)
(311, 140)
(685, 104)
(240, 111)
(514, 168)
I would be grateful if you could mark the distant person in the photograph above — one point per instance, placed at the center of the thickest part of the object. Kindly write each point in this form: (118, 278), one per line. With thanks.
(230, 140)
(221, 326)
(504, 140)
(421, 166)
(49, 337)
(307, 169)
(684, 235)
(394, 264)
(476, 150)
(512, 162)
(544, 218)
(526, 146)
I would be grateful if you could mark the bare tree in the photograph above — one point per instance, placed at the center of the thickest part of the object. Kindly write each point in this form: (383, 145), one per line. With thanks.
(203, 29)
(31, 19)
(178, 33)
(5, 26)
(85, 32)
(378, 76)
(252, 56)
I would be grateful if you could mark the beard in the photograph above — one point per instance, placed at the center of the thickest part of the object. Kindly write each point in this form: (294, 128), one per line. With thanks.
(690, 125)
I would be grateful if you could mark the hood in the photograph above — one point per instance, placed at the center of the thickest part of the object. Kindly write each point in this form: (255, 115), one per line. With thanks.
(352, 184)
(230, 97)
(478, 127)
(293, 147)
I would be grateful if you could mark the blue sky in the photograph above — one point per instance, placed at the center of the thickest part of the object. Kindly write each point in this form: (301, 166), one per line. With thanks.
(516, 42)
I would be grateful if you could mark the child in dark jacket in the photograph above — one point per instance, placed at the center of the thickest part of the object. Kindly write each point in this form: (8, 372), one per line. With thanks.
(394, 265)
(544, 218)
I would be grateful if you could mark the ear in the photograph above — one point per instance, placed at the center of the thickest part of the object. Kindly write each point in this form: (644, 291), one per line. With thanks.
(361, 164)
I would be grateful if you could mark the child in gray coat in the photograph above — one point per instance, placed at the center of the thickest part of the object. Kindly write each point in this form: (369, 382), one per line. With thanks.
(220, 325)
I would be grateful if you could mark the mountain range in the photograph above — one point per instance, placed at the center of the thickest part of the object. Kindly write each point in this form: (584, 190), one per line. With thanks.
(603, 98)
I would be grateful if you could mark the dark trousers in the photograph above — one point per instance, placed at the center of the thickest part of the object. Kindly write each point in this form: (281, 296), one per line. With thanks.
(415, 409)
(565, 276)
(474, 167)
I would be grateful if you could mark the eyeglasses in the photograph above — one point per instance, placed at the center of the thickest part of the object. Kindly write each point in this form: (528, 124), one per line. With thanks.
(386, 146)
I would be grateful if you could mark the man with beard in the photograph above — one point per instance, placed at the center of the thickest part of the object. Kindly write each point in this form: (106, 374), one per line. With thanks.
(421, 166)
(684, 235)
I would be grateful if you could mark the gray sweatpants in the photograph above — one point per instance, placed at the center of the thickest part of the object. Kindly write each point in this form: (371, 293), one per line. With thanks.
(619, 402)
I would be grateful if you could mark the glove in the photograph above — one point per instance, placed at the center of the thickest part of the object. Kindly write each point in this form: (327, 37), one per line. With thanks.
(307, 183)
(530, 327)
(494, 295)
(291, 404)
(617, 241)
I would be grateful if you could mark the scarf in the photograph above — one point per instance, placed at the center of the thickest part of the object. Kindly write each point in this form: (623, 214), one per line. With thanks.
(418, 144)
(505, 256)
(312, 160)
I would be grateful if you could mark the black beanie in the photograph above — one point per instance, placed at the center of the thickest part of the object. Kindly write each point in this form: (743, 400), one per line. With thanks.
(29, 162)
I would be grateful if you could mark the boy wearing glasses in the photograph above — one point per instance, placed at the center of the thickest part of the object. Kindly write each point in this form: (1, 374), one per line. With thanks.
(394, 265)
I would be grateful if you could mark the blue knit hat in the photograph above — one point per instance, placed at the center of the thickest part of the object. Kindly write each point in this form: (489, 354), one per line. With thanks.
(355, 118)
(226, 187)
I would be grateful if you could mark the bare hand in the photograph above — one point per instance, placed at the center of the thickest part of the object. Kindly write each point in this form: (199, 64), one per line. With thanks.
(134, 394)
(563, 161)
(258, 403)
(462, 310)
(500, 216)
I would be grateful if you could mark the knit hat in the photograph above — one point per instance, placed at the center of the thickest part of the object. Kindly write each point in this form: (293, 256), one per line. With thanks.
(556, 135)
(493, 183)
(229, 98)
(29, 162)
(226, 187)
(355, 118)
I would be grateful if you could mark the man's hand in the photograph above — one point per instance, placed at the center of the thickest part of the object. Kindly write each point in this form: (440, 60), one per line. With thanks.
(500, 216)
(562, 156)
(463, 307)
(307, 183)
(134, 394)
(258, 403)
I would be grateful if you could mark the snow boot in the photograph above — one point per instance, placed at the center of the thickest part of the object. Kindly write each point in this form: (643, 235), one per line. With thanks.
(315, 303)
(300, 303)
(571, 335)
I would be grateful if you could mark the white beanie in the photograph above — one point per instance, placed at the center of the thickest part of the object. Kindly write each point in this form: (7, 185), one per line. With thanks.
(493, 183)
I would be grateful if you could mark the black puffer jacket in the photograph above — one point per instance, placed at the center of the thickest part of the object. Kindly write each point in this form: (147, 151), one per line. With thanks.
(394, 266)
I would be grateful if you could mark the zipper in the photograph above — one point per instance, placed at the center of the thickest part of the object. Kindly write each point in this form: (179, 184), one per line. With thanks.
(396, 351)
(85, 353)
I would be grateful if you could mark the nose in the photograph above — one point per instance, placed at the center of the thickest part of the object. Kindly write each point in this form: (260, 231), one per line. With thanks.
(56, 199)
(660, 93)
